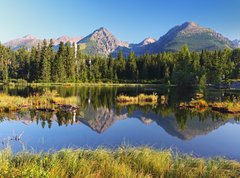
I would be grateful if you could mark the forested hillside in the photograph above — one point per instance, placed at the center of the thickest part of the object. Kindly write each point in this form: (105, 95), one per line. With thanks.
(43, 64)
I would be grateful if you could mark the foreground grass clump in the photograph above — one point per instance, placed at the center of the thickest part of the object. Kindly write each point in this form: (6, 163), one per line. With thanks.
(141, 99)
(123, 162)
(49, 100)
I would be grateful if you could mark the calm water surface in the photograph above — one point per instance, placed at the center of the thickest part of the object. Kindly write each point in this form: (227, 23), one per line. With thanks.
(101, 122)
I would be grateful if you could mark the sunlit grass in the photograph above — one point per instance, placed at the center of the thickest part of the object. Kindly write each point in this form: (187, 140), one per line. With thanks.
(198, 104)
(49, 99)
(228, 107)
(141, 99)
(123, 162)
(73, 100)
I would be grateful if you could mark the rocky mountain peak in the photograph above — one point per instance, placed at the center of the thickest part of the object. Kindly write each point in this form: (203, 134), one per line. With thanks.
(101, 41)
(190, 25)
(102, 33)
(102, 29)
(147, 41)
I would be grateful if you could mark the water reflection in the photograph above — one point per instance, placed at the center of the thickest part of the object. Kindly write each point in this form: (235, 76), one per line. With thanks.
(100, 121)
(98, 110)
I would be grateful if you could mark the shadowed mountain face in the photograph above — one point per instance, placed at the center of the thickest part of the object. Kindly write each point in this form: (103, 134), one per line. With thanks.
(236, 43)
(182, 128)
(103, 42)
(140, 48)
(192, 128)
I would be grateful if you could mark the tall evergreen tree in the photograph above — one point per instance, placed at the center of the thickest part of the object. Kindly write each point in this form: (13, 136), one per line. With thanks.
(45, 62)
(70, 62)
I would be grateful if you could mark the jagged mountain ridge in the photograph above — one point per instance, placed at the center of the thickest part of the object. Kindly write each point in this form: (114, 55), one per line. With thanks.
(103, 42)
(30, 41)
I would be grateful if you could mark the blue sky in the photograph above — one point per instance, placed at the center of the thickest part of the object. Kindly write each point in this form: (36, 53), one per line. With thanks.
(128, 20)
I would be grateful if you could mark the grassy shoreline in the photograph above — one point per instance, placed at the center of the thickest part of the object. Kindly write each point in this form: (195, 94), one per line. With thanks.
(49, 100)
(123, 162)
(85, 84)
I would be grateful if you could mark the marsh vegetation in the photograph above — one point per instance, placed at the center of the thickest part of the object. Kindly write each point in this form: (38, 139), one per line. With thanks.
(124, 162)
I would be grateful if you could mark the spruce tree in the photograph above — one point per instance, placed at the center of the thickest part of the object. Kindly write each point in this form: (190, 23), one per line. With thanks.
(45, 62)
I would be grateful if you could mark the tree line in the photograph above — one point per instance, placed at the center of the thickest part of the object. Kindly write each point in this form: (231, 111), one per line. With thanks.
(67, 64)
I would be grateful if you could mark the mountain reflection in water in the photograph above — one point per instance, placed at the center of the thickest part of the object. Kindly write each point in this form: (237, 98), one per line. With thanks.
(99, 112)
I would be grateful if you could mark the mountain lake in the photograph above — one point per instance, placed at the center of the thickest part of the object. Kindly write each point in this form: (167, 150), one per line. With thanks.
(101, 122)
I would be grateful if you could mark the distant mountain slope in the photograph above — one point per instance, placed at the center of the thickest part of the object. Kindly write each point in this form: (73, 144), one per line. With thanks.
(27, 41)
(138, 48)
(30, 41)
(195, 36)
(66, 39)
(146, 41)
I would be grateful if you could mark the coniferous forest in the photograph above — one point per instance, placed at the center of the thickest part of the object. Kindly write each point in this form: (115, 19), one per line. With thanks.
(184, 68)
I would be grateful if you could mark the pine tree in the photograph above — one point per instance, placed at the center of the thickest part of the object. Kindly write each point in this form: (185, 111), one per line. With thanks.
(33, 65)
(132, 67)
(22, 56)
(183, 74)
(70, 63)
(58, 68)
(121, 66)
(45, 62)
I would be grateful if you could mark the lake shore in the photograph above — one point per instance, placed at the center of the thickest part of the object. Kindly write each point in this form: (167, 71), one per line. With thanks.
(89, 84)
(123, 162)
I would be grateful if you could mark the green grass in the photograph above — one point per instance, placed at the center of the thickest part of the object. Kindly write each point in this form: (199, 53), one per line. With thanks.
(123, 162)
